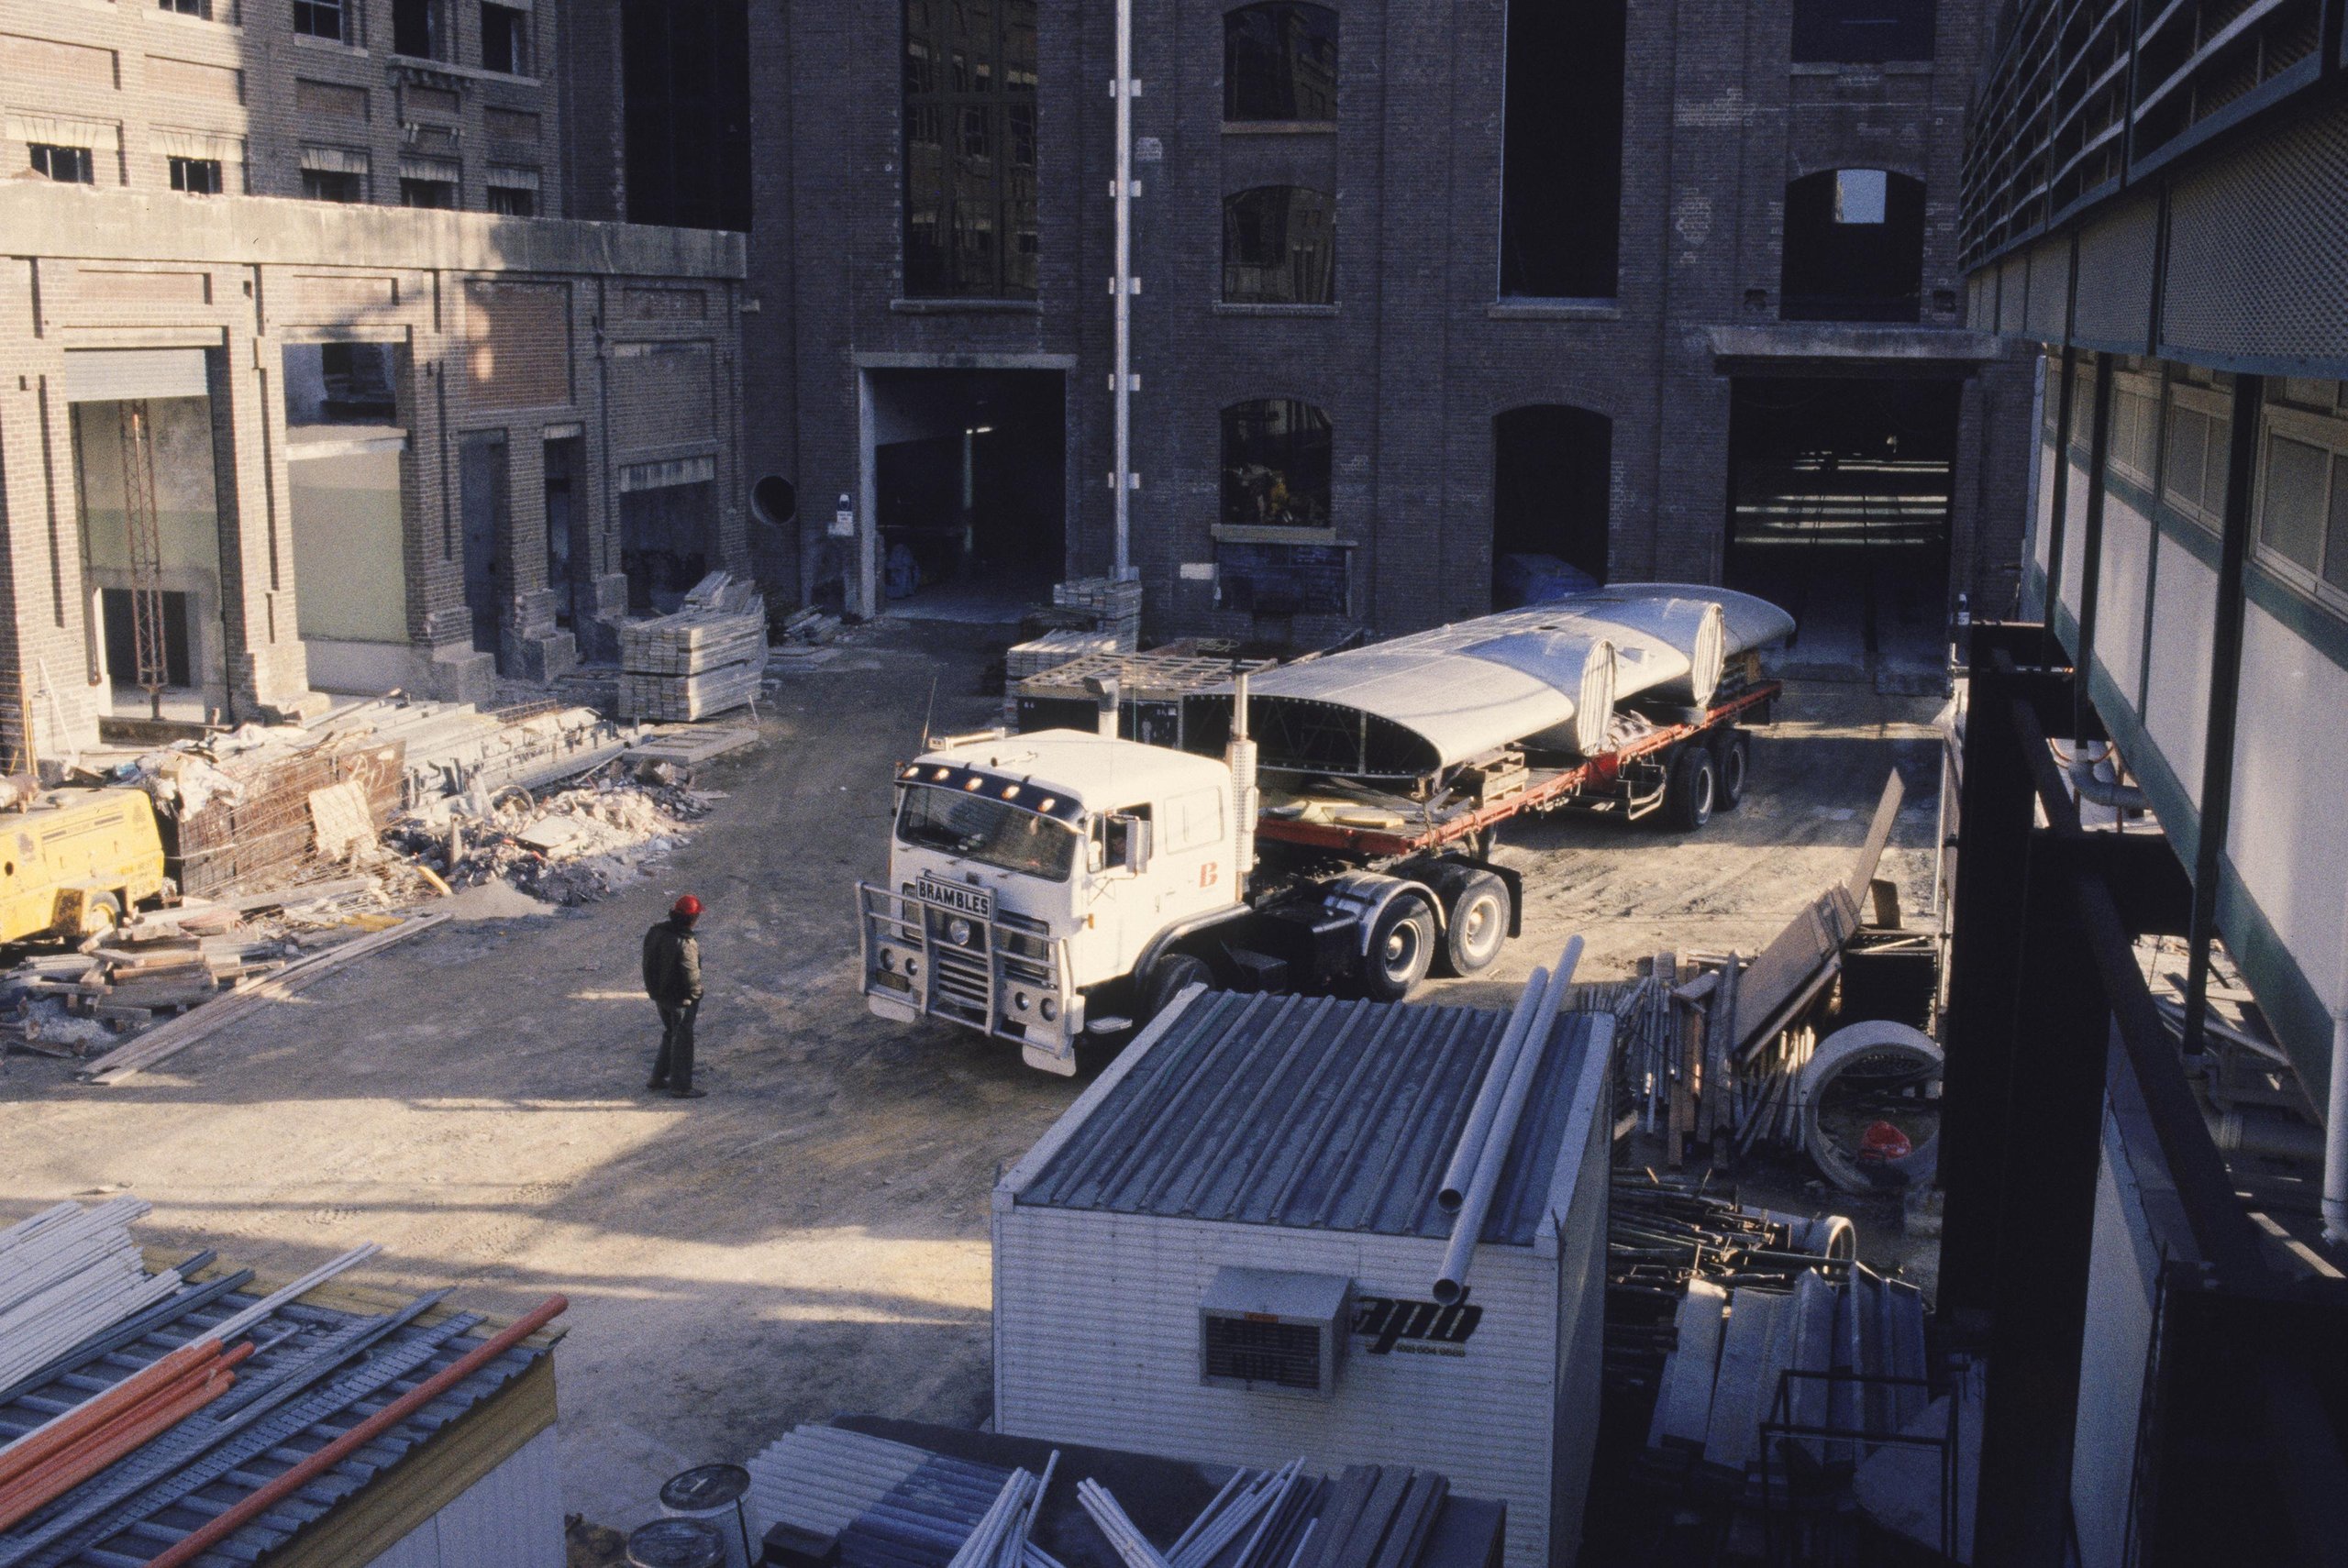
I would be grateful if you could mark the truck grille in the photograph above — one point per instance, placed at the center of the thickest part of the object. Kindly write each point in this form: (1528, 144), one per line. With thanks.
(959, 985)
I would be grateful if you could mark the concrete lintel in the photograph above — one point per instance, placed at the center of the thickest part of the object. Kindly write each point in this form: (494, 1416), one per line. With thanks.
(983, 361)
(87, 224)
(1806, 345)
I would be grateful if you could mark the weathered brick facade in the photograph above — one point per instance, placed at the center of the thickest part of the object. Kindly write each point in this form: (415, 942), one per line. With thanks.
(1420, 352)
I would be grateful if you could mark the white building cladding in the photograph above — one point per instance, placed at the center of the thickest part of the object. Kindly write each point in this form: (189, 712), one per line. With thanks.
(1309, 1138)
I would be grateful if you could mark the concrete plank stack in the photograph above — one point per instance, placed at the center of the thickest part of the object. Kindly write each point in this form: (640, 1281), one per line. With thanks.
(1114, 606)
(1025, 660)
(706, 658)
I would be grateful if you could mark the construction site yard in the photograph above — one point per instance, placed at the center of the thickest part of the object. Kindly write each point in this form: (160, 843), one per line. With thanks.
(812, 1237)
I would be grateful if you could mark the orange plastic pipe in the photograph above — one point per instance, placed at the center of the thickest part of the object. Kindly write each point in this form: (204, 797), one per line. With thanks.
(193, 1360)
(188, 1548)
(69, 1469)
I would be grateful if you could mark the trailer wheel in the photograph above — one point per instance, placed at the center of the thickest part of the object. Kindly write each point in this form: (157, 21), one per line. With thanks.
(1694, 789)
(1736, 769)
(1169, 978)
(1476, 926)
(1401, 946)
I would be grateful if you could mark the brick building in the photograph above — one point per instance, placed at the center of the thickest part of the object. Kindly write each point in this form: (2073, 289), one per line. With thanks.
(255, 449)
(1654, 288)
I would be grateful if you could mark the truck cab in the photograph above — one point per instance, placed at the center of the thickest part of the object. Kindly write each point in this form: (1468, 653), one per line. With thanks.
(1024, 869)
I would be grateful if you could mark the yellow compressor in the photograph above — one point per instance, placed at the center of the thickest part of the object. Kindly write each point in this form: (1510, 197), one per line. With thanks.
(76, 862)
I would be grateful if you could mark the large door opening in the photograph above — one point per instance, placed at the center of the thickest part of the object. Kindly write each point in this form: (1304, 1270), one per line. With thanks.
(970, 489)
(484, 480)
(151, 554)
(346, 456)
(1551, 482)
(1839, 494)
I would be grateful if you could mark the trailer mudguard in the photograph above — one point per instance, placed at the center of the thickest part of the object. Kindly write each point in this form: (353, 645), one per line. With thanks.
(1165, 941)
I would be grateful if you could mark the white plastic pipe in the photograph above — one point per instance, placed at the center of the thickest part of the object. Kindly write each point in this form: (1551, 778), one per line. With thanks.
(2335, 1116)
(1460, 1175)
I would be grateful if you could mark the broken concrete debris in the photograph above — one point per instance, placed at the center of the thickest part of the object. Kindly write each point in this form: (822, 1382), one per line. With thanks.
(573, 846)
(708, 658)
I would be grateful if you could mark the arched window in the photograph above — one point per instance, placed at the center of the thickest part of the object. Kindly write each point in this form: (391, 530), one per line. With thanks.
(1855, 246)
(1280, 246)
(1279, 62)
(1276, 464)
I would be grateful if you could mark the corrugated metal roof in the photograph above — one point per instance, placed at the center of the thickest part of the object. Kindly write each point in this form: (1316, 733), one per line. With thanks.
(337, 1377)
(1317, 1114)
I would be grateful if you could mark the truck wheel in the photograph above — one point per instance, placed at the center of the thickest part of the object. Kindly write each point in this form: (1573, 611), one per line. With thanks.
(1401, 945)
(1475, 925)
(1736, 768)
(1169, 978)
(101, 915)
(1694, 789)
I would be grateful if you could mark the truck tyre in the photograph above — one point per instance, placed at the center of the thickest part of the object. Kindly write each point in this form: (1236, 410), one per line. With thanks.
(1735, 769)
(1401, 946)
(1694, 789)
(1476, 925)
(1169, 978)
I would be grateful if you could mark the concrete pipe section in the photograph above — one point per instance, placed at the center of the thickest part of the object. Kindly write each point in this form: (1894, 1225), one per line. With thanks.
(1875, 1048)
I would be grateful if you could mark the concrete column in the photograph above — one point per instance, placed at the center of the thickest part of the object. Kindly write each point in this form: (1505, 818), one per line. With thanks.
(440, 626)
(268, 672)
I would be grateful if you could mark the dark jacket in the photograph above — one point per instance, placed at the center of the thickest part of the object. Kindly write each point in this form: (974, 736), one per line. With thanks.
(672, 964)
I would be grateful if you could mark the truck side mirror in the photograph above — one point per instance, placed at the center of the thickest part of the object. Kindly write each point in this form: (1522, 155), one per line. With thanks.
(1129, 843)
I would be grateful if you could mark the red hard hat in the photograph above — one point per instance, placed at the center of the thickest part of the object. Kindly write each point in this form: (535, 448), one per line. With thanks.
(686, 908)
(1882, 1144)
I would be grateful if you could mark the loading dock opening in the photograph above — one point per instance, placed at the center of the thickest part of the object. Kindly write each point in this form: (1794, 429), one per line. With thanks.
(1838, 509)
(967, 476)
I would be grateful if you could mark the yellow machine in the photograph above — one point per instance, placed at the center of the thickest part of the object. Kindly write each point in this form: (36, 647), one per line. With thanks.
(76, 862)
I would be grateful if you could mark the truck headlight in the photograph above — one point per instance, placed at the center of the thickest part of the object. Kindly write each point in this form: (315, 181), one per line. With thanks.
(889, 959)
(1050, 1009)
(1019, 1001)
(958, 932)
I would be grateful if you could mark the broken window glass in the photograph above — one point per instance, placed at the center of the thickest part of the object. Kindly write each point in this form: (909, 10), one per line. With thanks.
(1277, 463)
(1853, 246)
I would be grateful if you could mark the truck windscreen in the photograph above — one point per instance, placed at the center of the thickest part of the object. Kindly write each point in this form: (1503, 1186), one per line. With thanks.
(989, 832)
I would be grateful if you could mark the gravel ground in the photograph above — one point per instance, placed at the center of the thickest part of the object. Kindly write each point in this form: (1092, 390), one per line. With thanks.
(811, 1237)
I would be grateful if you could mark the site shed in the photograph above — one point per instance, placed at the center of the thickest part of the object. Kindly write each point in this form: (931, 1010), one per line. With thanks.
(1160, 1253)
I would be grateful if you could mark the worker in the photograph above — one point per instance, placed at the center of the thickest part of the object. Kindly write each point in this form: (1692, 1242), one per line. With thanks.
(673, 979)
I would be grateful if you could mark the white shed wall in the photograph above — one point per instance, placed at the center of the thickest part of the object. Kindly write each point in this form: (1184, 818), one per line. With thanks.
(2075, 536)
(1096, 1337)
(510, 1517)
(2125, 576)
(2288, 837)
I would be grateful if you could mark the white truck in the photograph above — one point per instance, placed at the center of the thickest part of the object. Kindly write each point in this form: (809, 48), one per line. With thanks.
(1046, 886)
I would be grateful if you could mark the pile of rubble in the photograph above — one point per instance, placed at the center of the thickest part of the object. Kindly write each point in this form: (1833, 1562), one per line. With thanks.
(574, 845)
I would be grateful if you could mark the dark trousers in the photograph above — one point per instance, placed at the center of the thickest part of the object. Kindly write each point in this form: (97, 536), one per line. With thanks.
(674, 1066)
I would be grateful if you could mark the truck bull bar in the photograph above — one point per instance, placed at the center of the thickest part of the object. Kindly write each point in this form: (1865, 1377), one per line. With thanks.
(1002, 977)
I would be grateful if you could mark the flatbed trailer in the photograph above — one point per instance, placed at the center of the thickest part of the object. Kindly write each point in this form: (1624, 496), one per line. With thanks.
(1632, 779)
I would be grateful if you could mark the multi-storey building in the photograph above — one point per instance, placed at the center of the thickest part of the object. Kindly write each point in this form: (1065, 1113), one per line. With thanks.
(264, 435)
(2155, 202)
(1653, 288)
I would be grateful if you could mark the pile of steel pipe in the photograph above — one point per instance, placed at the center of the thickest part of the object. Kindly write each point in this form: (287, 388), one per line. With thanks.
(66, 1274)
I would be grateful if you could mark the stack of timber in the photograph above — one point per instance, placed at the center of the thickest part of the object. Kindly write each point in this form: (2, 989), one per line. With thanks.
(1112, 606)
(806, 642)
(706, 658)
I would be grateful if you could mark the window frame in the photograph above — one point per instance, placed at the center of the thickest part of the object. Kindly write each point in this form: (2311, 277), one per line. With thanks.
(518, 40)
(1232, 228)
(180, 167)
(491, 192)
(2144, 386)
(435, 30)
(41, 156)
(311, 10)
(1230, 510)
(456, 196)
(2216, 409)
(2328, 434)
(359, 184)
(1232, 28)
(201, 10)
(997, 102)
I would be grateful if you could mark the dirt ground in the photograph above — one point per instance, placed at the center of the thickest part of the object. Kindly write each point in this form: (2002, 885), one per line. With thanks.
(812, 1237)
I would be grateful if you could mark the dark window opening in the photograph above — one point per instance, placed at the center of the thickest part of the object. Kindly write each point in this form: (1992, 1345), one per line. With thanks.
(196, 176)
(969, 118)
(569, 571)
(320, 20)
(1280, 246)
(485, 490)
(1279, 62)
(1552, 483)
(1277, 464)
(339, 383)
(1855, 246)
(120, 619)
(1862, 32)
(67, 165)
(333, 185)
(187, 7)
(504, 39)
(1561, 154)
(427, 194)
(686, 78)
(415, 30)
(667, 543)
(513, 200)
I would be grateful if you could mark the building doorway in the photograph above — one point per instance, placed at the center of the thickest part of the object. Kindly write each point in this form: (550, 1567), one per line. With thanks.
(967, 482)
(1839, 498)
(151, 554)
(484, 480)
(1552, 468)
(568, 570)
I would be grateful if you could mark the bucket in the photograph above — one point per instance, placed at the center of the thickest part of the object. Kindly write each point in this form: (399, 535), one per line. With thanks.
(676, 1543)
(717, 1494)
